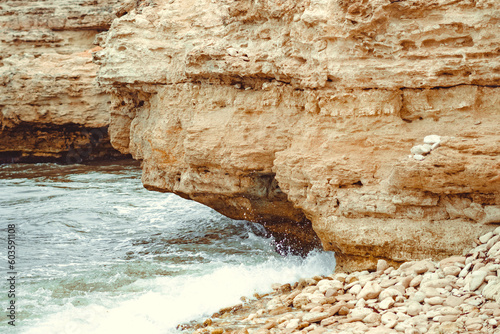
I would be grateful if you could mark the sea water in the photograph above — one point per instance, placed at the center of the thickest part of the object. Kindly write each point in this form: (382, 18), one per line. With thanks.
(97, 253)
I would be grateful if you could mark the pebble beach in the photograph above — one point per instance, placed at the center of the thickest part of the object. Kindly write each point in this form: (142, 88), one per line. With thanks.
(459, 294)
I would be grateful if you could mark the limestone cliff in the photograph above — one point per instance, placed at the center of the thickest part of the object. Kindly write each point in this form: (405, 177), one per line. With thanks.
(50, 105)
(288, 111)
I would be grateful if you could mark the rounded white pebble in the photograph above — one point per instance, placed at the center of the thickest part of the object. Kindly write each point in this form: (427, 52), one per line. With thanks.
(432, 139)
(232, 52)
(420, 149)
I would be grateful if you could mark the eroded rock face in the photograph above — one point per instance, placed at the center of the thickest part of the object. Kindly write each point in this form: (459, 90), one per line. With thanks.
(50, 105)
(296, 111)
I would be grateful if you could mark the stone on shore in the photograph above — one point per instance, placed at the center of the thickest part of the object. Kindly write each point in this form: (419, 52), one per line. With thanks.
(371, 290)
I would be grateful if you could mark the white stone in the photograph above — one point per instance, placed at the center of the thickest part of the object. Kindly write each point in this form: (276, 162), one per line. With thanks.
(358, 313)
(414, 308)
(477, 278)
(405, 282)
(355, 289)
(387, 303)
(432, 139)
(361, 303)
(434, 300)
(302, 299)
(427, 147)
(494, 250)
(492, 241)
(389, 319)
(474, 301)
(453, 301)
(492, 290)
(419, 296)
(436, 283)
(430, 292)
(315, 316)
(292, 324)
(447, 310)
(465, 270)
(232, 52)
(484, 239)
(416, 281)
(370, 290)
(420, 149)
(402, 327)
(452, 270)
(326, 284)
(372, 318)
(418, 157)
(389, 293)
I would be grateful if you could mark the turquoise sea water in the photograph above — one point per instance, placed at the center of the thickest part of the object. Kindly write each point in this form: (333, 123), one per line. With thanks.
(97, 253)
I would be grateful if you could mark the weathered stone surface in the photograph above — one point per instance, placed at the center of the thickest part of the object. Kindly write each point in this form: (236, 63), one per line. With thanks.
(492, 290)
(50, 105)
(315, 316)
(285, 112)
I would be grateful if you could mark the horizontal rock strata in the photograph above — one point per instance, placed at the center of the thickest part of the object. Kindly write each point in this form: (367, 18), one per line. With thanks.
(297, 111)
(51, 108)
(459, 294)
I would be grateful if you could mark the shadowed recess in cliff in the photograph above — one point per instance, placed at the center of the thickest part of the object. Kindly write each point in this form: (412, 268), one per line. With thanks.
(261, 202)
(55, 143)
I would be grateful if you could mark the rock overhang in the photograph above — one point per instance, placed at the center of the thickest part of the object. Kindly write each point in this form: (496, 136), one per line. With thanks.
(329, 100)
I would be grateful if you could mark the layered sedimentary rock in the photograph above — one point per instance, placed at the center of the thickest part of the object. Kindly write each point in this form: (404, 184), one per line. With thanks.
(50, 105)
(290, 112)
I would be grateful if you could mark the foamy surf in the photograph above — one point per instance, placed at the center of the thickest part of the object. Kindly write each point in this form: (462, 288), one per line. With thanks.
(166, 302)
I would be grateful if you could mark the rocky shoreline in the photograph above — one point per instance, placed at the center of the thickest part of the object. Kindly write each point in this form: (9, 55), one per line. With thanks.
(459, 294)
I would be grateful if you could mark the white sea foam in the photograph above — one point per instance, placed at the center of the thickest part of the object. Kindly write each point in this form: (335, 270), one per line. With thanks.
(168, 301)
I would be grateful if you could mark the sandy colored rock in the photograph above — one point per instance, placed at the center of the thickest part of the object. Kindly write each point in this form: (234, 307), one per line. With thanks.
(452, 301)
(477, 278)
(382, 265)
(370, 291)
(414, 308)
(286, 113)
(416, 281)
(492, 290)
(51, 107)
(452, 270)
(434, 300)
(386, 303)
(389, 319)
(315, 316)
(452, 260)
